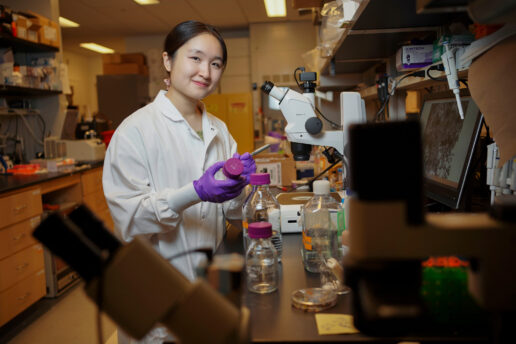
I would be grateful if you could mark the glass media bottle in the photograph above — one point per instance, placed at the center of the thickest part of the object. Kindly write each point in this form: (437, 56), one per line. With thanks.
(319, 227)
(261, 259)
(261, 205)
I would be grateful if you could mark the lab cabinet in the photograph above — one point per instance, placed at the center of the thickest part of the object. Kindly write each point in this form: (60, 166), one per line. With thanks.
(22, 277)
(236, 110)
(28, 271)
(62, 195)
(93, 196)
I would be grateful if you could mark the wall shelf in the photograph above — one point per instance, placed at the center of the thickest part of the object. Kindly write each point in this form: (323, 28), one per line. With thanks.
(379, 28)
(18, 91)
(413, 82)
(22, 45)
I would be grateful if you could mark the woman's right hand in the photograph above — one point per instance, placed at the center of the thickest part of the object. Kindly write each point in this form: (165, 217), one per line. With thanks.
(213, 190)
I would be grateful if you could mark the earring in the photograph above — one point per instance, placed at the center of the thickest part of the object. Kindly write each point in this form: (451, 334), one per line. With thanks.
(167, 82)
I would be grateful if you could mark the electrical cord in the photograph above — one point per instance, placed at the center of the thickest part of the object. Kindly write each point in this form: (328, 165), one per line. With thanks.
(311, 182)
(301, 69)
(24, 120)
(333, 124)
(440, 68)
(419, 73)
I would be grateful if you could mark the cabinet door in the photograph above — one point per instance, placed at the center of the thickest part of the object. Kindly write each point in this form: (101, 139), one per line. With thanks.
(18, 236)
(21, 295)
(91, 181)
(20, 206)
(240, 120)
(20, 265)
(95, 201)
(216, 104)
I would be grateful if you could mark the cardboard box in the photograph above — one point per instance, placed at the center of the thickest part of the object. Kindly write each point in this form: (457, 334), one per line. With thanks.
(42, 30)
(296, 4)
(281, 167)
(138, 58)
(33, 27)
(124, 68)
(111, 58)
(21, 26)
(412, 57)
(49, 34)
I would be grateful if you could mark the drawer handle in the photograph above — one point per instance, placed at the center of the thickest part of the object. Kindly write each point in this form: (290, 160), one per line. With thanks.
(21, 298)
(20, 208)
(16, 238)
(21, 267)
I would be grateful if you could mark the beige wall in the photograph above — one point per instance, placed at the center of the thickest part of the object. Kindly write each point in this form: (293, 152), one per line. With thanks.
(237, 76)
(82, 72)
(276, 50)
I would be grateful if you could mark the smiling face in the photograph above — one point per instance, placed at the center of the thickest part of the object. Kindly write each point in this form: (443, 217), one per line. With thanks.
(195, 69)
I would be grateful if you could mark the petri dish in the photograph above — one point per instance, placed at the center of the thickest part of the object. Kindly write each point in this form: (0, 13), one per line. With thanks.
(313, 299)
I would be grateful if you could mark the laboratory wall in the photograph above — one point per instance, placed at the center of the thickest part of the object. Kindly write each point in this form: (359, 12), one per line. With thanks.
(276, 49)
(82, 71)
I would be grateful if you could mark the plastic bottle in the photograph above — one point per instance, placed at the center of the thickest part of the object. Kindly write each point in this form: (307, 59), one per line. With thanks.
(261, 205)
(320, 224)
(261, 259)
(233, 168)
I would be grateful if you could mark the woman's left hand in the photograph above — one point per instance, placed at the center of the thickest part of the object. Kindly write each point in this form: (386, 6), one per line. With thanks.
(249, 164)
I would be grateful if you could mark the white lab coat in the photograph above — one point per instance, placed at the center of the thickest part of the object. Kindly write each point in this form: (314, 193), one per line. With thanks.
(150, 164)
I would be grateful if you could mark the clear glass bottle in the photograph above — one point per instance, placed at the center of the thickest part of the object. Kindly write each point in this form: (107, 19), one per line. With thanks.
(261, 259)
(261, 205)
(320, 225)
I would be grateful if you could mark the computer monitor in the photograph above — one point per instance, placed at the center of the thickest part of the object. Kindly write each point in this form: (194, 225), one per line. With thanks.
(448, 146)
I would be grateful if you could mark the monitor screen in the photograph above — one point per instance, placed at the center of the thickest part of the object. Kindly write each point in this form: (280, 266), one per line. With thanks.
(448, 146)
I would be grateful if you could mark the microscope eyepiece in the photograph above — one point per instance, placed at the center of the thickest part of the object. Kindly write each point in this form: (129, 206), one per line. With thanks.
(267, 87)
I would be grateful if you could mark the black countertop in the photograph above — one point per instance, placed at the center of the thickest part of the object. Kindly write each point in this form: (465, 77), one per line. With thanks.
(273, 320)
(14, 182)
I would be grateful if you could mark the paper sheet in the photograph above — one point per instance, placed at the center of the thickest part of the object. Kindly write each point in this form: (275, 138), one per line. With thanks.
(334, 324)
(492, 83)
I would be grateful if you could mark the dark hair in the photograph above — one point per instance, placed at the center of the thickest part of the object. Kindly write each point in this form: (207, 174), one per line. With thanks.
(187, 30)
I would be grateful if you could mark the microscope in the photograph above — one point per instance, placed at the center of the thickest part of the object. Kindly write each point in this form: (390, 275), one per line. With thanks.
(138, 288)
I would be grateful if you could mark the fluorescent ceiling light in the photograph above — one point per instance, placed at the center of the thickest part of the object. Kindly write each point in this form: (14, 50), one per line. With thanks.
(63, 22)
(275, 8)
(97, 48)
(147, 2)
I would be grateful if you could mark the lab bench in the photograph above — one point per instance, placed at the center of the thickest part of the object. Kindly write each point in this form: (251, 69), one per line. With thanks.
(273, 320)
(28, 271)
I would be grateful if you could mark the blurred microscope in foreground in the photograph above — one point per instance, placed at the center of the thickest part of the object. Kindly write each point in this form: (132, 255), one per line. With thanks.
(138, 288)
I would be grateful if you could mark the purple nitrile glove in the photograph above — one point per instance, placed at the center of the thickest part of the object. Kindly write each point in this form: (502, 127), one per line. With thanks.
(217, 191)
(249, 164)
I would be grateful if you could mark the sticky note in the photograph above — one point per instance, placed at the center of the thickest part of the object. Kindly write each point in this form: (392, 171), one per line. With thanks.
(334, 324)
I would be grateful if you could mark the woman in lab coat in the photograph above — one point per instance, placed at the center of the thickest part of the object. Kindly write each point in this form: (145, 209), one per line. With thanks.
(159, 171)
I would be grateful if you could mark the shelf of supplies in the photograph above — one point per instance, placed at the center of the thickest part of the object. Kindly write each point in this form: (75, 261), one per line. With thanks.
(377, 31)
(22, 45)
(9, 90)
(413, 82)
